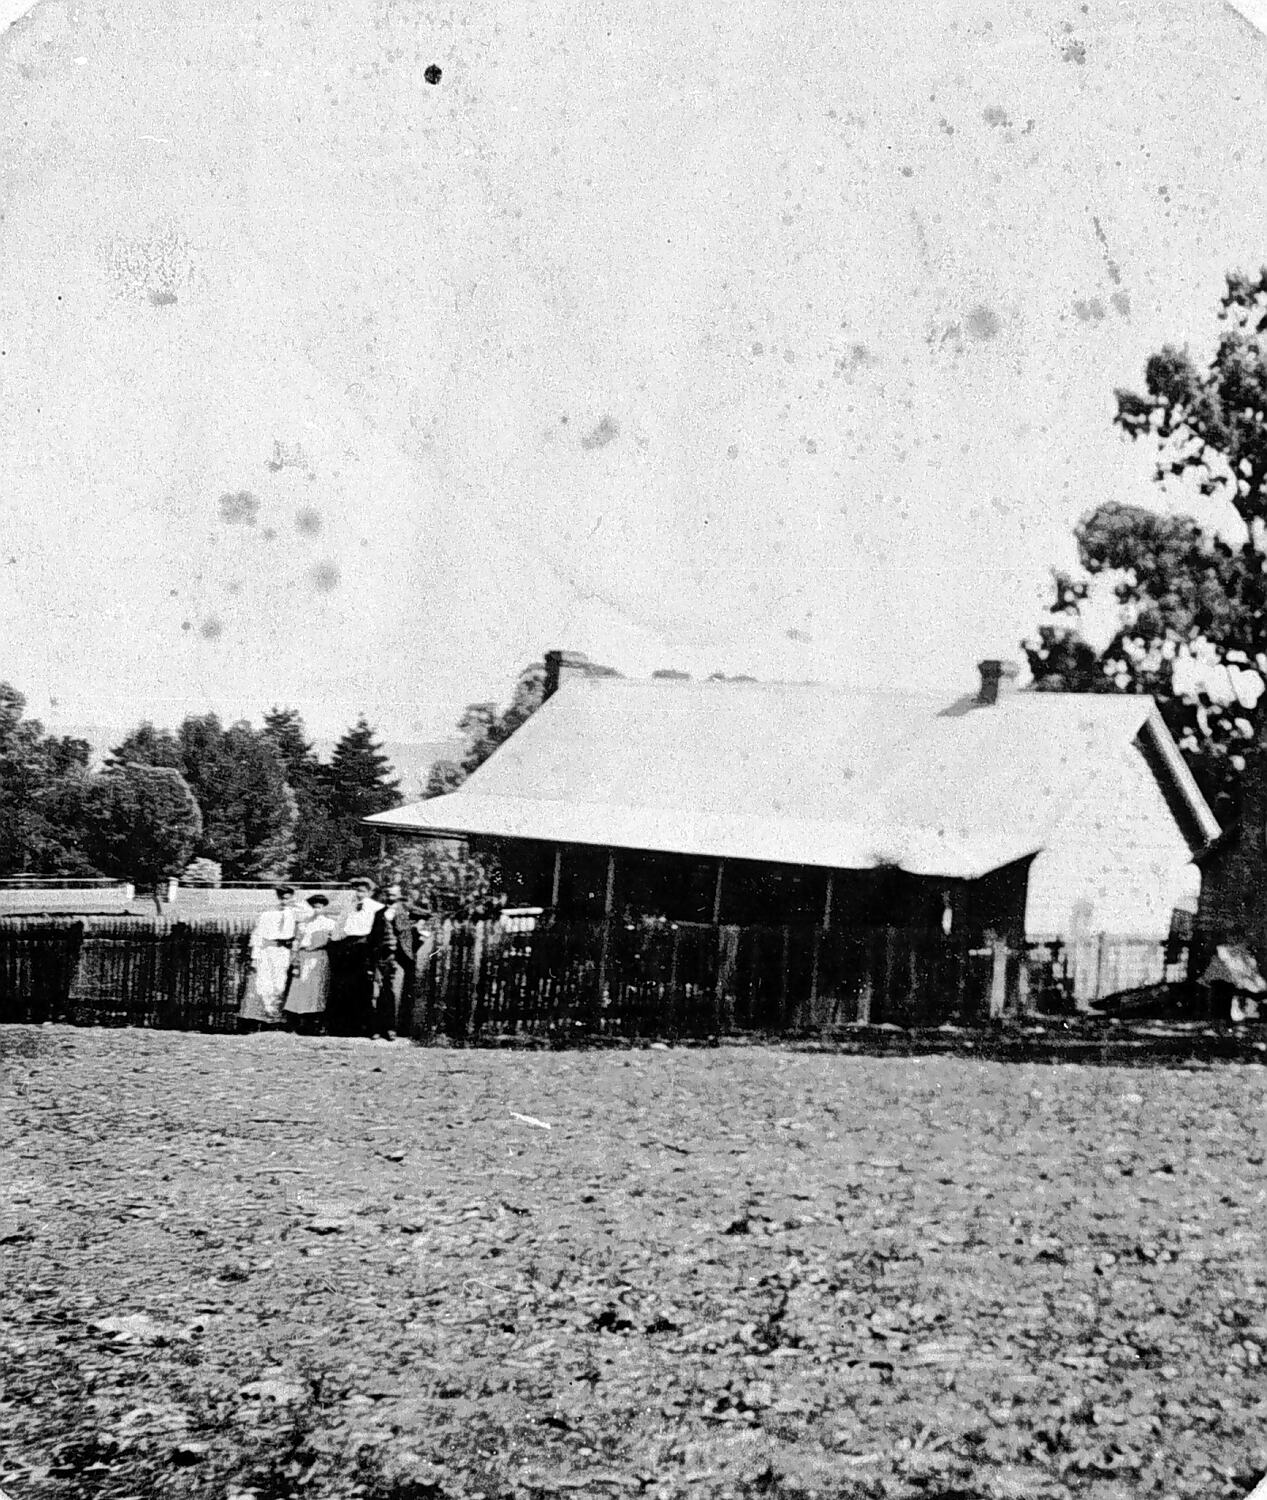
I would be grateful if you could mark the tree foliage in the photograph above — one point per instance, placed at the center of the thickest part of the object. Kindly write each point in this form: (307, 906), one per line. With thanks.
(1180, 588)
(359, 782)
(140, 822)
(315, 854)
(238, 777)
(41, 784)
(484, 727)
(266, 806)
(442, 876)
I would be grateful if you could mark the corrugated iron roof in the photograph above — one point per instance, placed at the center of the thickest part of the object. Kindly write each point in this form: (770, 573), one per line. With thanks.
(795, 773)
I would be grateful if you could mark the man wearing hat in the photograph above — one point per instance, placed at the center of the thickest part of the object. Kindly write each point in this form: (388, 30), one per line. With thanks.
(360, 946)
(396, 985)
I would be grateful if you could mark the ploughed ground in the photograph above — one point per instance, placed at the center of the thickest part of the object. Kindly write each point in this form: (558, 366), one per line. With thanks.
(300, 1267)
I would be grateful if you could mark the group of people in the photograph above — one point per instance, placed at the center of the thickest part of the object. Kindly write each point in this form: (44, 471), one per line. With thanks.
(351, 975)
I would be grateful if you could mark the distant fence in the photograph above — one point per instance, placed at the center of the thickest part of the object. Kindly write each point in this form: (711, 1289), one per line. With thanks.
(561, 978)
(30, 897)
(1090, 968)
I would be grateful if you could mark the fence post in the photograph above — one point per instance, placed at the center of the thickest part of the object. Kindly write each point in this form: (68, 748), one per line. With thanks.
(170, 970)
(1101, 953)
(962, 961)
(998, 978)
(1022, 978)
(866, 984)
(783, 977)
(679, 997)
(718, 977)
(812, 1018)
(605, 950)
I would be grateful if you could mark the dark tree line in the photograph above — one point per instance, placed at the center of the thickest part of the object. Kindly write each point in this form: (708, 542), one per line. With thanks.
(238, 802)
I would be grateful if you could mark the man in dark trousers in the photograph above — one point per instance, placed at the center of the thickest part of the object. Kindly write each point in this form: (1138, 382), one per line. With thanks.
(396, 981)
(359, 947)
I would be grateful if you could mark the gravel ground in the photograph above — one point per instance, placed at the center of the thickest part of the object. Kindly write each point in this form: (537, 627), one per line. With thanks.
(315, 1268)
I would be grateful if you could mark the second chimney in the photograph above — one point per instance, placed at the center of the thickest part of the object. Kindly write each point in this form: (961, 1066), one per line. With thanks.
(560, 665)
(997, 679)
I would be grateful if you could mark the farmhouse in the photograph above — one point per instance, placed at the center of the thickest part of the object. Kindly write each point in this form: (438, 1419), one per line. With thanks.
(1006, 813)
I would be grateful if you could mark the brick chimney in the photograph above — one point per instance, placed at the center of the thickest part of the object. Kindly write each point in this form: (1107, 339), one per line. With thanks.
(998, 678)
(561, 665)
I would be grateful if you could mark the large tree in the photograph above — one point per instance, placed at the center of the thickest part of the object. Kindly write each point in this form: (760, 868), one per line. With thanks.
(238, 777)
(1183, 590)
(316, 841)
(41, 784)
(141, 823)
(359, 781)
(148, 746)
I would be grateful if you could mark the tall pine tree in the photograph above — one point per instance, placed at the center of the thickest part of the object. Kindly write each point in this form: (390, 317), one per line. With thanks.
(316, 843)
(360, 780)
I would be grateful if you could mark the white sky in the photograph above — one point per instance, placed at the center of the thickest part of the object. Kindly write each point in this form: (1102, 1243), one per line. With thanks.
(1254, 11)
(779, 339)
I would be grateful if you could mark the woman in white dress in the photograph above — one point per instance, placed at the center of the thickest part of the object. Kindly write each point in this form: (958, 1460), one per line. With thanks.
(309, 991)
(271, 942)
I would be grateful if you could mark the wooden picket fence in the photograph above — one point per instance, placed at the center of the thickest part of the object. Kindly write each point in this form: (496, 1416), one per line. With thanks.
(543, 977)
(118, 971)
(481, 980)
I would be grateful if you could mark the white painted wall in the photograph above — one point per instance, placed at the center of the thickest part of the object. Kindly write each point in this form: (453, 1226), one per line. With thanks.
(1117, 863)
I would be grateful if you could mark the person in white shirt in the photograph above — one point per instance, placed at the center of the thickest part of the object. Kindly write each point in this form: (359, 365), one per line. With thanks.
(271, 942)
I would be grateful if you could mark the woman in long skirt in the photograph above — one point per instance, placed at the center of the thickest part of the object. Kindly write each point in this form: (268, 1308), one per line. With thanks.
(271, 942)
(309, 991)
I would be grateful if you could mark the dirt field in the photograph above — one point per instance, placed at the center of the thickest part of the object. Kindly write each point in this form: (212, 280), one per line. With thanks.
(317, 1268)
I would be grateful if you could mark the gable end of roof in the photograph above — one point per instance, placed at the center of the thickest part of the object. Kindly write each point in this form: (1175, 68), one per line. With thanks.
(1192, 811)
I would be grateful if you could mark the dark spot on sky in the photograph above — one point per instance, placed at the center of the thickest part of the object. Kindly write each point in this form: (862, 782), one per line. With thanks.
(1115, 273)
(325, 577)
(1122, 301)
(240, 509)
(732, 451)
(269, 534)
(308, 521)
(995, 115)
(1090, 312)
(233, 588)
(857, 357)
(908, 171)
(945, 126)
(162, 299)
(983, 323)
(606, 432)
(794, 634)
(1074, 52)
(433, 73)
(211, 629)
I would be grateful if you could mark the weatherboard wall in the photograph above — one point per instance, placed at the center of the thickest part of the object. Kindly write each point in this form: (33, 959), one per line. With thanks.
(1118, 862)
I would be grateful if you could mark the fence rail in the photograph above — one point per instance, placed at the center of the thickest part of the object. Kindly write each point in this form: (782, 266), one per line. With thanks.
(542, 977)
